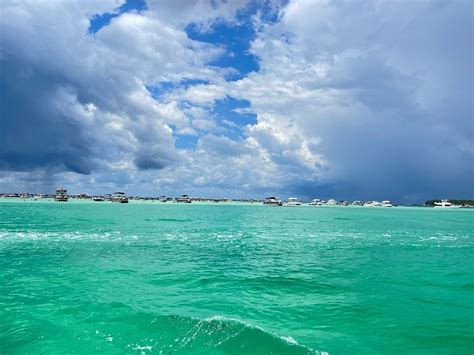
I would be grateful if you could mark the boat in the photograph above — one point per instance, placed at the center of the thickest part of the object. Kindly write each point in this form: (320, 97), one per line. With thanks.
(444, 204)
(331, 202)
(165, 199)
(386, 203)
(372, 204)
(98, 199)
(119, 197)
(183, 199)
(272, 201)
(293, 201)
(356, 203)
(316, 202)
(61, 195)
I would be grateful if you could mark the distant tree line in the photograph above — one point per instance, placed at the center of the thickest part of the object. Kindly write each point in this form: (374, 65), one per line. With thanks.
(454, 202)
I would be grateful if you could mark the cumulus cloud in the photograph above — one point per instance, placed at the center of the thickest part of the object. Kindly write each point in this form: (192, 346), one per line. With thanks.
(371, 85)
(200, 12)
(79, 101)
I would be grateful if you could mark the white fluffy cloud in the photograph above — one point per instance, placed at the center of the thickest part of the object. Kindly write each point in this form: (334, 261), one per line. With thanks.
(200, 12)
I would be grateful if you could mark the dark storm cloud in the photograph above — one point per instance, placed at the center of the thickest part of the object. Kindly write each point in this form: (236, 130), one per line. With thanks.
(388, 95)
(73, 102)
(34, 133)
(154, 157)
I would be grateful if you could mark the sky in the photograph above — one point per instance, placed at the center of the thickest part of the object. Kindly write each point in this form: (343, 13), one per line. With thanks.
(344, 99)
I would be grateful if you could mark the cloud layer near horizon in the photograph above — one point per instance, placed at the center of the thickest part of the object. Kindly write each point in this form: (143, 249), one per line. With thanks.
(352, 100)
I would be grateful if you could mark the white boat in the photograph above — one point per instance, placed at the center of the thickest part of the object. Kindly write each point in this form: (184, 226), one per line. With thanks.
(61, 195)
(372, 204)
(272, 201)
(98, 199)
(119, 197)
(444, 204)
(316, 202)
(331, 202)
(293, 201)
(386, 203)
(183, 199)
(356, 203)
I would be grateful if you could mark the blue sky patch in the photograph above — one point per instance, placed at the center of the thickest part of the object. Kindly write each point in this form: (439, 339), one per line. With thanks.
(235, 39)
(236, 112)
(185, 142)
(101, 20)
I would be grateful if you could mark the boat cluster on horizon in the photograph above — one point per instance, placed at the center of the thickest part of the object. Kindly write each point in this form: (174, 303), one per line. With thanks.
(293, 201)
(61, 195)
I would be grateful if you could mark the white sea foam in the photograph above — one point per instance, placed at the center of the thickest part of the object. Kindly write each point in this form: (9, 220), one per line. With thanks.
(289, 340)
(63, 236)
(143, 347)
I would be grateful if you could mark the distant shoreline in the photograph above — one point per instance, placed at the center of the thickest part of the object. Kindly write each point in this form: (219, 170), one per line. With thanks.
(135, 201)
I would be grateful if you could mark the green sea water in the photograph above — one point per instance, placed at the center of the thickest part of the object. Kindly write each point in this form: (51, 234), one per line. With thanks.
(83, 278)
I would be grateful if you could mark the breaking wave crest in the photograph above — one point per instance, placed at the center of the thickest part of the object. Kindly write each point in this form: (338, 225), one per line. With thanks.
(216, 335)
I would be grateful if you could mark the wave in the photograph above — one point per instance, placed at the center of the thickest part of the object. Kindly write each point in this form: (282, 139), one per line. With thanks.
(125, 330)
(215, 335)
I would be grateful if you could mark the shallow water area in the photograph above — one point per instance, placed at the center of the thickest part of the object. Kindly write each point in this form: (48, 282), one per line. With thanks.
(86, 277)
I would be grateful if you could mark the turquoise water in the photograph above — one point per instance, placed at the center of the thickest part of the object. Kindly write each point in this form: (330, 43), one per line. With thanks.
(243, 279)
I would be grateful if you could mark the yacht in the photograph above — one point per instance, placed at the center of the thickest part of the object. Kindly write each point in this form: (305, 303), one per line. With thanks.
(119, 197)
(372, 204)
(356, 203)
(293, 201)
(184, 199)
(316, 202)
(61, 195)
(272, 201)
(386, 203)
(98, 199)
(331, 202)
(444, 204)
